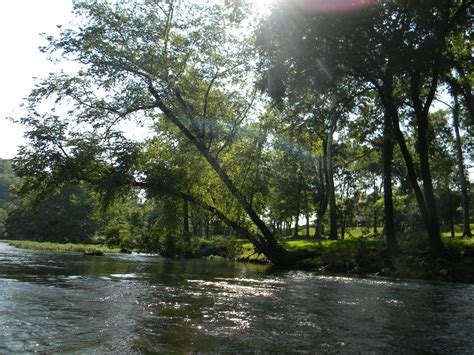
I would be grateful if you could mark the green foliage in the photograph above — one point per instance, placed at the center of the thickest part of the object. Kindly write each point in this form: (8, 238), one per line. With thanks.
(129, 224)
(168, 228)
(7, 179)
(66, 216)
(118, 234)
(218, 246)
(3, 219)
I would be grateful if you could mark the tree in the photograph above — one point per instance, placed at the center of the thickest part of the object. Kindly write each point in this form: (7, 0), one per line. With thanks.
(297, 49)
(448, 165)
(378, 47)
(177, 64)
(7, 179)
(463, 181)
(65, 217)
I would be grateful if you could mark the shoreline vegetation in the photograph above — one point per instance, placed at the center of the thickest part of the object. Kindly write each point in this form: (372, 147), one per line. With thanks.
(359, 255)
(90, 249)
(368, 257)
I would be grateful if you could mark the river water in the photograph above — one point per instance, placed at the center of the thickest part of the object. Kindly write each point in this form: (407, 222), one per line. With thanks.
(66, 302)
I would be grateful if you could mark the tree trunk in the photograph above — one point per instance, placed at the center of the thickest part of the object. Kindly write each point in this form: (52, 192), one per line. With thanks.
(420, 199)
(435, 236)
(323, 198)
(387, 154)
(318, 232)
(437, 247)
(307, 225)
(187, 234)
(343, 225)
(464, 88)
(206, 227)
(297, 217)
(306, 200)
(431, 224)
(295, 232)
(330, 187)
(461, 170)
(451, 226)
(376, 217)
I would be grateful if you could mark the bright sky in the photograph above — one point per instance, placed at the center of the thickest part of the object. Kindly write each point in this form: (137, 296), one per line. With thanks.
(21, 22)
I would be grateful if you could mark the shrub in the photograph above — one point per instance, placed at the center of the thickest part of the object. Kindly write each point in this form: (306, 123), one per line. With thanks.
(224, 246)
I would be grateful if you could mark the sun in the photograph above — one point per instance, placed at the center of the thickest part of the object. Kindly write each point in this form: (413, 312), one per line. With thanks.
(331, 6)
(261, 7)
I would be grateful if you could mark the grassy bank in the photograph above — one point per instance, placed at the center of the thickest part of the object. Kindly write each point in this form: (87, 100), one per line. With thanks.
(364, 256)
(69, 247)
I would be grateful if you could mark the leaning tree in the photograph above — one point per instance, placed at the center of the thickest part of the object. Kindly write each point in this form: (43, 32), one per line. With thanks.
(181, 66)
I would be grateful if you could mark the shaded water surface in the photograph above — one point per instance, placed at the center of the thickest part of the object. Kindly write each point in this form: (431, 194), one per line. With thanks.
(56, 302)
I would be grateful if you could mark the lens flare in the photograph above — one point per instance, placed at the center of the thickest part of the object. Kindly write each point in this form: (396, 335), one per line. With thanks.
(330, 6)
(262, 7)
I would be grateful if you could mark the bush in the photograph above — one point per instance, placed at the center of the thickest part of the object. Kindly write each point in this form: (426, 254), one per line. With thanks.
(117, 234)
(226, 247)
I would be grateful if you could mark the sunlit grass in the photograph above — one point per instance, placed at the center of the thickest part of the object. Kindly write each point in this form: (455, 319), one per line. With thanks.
(458, 228)
(331, 245)
(356, 238)
(70, 247)
(314, 245)
(459, 241)
(350, 232)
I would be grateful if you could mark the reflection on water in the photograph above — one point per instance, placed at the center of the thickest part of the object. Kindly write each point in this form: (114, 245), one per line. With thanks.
(51, 302)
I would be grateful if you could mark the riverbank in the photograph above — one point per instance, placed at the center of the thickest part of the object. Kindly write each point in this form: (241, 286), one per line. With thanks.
(92, 249)
(363, 256)
(357, 256)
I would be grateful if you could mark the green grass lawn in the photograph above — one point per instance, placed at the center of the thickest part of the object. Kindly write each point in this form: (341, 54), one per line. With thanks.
(80, 248)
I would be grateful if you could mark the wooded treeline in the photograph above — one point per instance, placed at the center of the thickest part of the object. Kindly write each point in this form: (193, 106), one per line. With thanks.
(323, 116)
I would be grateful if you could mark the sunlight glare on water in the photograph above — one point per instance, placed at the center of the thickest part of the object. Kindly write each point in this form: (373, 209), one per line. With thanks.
(52, 302)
